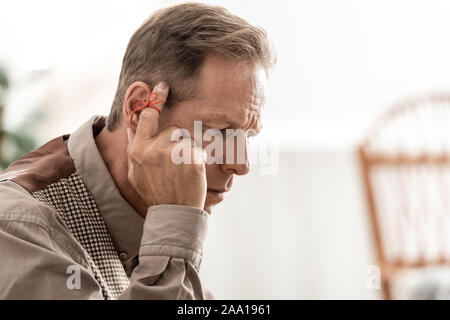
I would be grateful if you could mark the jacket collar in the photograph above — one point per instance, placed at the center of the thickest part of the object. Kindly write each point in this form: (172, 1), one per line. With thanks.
(123, 222)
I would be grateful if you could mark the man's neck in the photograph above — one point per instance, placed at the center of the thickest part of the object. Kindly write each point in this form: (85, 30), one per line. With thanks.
(113, 149)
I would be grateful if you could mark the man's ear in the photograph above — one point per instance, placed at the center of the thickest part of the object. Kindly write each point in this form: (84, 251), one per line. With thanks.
(136, 91)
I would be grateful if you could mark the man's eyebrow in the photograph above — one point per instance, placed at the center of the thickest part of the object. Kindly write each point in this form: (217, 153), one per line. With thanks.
(219, 120)
(258, 125)
(229, 122)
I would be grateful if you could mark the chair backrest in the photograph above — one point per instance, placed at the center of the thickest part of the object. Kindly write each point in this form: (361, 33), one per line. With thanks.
(405, 160)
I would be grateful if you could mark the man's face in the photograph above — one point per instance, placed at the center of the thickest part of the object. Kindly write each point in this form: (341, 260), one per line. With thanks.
(230, 96)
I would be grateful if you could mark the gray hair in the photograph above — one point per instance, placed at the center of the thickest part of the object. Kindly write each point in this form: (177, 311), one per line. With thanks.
(173, 42)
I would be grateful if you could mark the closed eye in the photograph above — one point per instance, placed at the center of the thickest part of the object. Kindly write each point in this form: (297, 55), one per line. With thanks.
(251, 133)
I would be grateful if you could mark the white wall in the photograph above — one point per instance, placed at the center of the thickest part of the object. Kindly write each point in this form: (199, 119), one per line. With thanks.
(300, 234)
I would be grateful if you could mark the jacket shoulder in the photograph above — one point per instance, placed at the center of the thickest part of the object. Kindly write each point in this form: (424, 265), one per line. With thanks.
(20, 209)
(17, 204)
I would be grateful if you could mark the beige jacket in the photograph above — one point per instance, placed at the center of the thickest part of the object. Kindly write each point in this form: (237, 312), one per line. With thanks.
(67, 233)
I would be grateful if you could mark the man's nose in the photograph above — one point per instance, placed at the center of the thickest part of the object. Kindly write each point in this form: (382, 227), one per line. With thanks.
(238, 169)
(235, 156)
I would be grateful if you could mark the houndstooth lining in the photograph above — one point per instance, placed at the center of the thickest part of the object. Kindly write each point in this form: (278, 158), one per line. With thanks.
(75, 205)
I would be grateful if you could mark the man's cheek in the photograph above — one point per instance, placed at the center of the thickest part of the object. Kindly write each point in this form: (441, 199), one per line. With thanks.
(214, 147)
(210, 169)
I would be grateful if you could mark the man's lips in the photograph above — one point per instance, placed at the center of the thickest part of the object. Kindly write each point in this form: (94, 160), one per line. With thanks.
(217, 194)
(219, 190)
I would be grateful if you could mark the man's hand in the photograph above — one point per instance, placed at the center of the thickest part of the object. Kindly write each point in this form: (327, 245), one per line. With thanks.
(151, 171)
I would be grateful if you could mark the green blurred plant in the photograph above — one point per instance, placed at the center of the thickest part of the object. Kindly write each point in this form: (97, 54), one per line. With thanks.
(16, 143)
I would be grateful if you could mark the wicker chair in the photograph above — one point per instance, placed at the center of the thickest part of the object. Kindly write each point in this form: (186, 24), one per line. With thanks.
(405, 161)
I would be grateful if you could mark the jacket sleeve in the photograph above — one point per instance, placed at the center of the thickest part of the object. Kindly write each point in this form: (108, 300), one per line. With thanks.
(170, 255)
(36, 262)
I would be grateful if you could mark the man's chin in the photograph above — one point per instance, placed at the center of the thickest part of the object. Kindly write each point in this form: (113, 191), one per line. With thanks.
(208, 208)
(213, 198)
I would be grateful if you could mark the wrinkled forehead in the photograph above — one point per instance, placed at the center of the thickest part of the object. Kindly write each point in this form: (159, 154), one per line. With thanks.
(232, 91)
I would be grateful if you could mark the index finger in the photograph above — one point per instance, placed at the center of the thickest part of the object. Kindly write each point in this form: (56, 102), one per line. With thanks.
(148, 119)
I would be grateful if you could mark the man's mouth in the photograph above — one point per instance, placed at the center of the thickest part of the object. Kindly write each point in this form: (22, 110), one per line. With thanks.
(217, 195)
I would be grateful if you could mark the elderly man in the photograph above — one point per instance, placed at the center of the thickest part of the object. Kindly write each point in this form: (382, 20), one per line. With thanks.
(107, 212)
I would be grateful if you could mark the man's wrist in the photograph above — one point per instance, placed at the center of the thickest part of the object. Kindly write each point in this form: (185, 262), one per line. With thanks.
(176, 231)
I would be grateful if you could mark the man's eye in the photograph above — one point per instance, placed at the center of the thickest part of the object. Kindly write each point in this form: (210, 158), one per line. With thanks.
(205, 128)
(223, 131)
(251, 134)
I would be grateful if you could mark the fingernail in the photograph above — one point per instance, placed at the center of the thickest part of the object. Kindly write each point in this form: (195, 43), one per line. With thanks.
(129, 134)
(162, 86)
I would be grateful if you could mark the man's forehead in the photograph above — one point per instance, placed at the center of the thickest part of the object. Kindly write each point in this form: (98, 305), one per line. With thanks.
(232, 92)
(222, 76)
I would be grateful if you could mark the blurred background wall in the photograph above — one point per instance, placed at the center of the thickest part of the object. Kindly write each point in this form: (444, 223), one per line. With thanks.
(302, 232)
